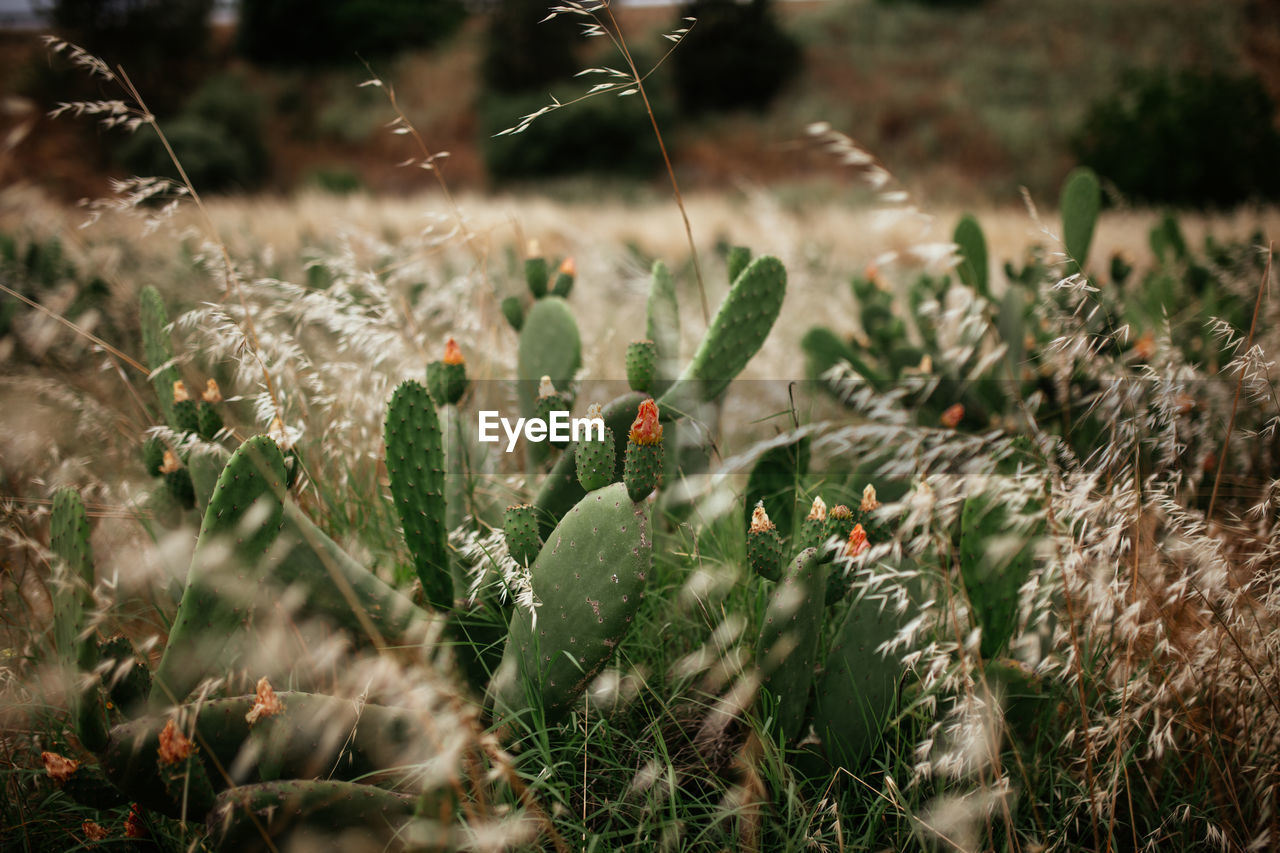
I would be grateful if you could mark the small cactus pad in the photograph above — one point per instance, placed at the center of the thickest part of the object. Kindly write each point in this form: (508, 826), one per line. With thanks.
(764, 545)
(415, 466)
(736, 261)
(208, 421)
(642, 365)
(813, 530)
(788, 647)
(153, 455)
(588, 582)
(642, 470)
(997, 554)
(186, 415)
(513, 310)
(520, 526)
(266, 816)
(447, 378)
(536, 276)
(662, 322)
(597, 459)
(158, 349)
(564, 278)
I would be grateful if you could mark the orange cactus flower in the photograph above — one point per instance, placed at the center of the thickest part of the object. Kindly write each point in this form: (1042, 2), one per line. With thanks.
(94, 831)
(857, 542)
(568, 267)
(265, 703)
(59, 768)
(133, 825)
(212, 393)
(951, 417)
(174, 745)
(180, 393)
(870, 502)
(760, 522)
(452, 354)
(818, 512)
(646, 429)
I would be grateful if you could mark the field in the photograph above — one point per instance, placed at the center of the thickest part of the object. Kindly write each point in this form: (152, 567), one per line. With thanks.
(923, 522)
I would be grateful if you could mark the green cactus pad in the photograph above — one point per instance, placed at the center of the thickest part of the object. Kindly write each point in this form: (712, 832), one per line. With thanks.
(153, 455)
(563, 284)
(315, 735)
(1081, 200)
(561, 490)
(90, 787)
(549, 346)
(597, 461)
(642, 365)
(208, 421)
(181, 489)
(158, 348)
(74, 641)
(736, 261)
(415, 466)
(186, 784)
(186, 416)
(788, 646)
(589, 580)
(642, 469)
(362, 815)
(545, 406)
(205, 464)
(240, 525)
(536, 275)
(447, 382)
(125, 676)
(737, 332)
(765, 552)
(972, 267)
(513, 310)
(858, 691)
(520, 525)
(996, 558)
(662, 324)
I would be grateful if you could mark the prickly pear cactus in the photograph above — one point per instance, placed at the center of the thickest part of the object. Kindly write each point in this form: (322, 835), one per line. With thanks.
(549, 346)
(536, 276)
(158, 348)
(520, 526)
(813, 530)
(642, 365)
(596, 458)
(764, 545)
(736, 261)
(72, 587)
(997, 555)
(447, 379)
(565, 275)
(788, 646)
(858, 691)
(642, 470)
(774, 479)
(561, 489)
(737, 332)
(513, 310)
(662, 324)
(548, 403)
(972, 266)
(415, 466)
(242, 522)
(1081, 200)
(588, 582)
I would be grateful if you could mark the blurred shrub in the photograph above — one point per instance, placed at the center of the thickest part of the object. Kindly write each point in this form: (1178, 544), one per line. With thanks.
(735, 57)
(335, 32)
(936, 4)
(1196, 139)
(603, 135)
(335, 180)
(161, 43)
(218, 137)
(524, 55)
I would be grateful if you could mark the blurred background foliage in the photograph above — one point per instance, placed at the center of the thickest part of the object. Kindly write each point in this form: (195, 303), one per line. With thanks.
(969, 100)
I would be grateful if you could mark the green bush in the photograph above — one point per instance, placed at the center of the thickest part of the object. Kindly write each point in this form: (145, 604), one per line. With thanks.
(1195, 139)
(604, 135)
(735, 57)
(335, 32)
(524, 55)
(218, 138)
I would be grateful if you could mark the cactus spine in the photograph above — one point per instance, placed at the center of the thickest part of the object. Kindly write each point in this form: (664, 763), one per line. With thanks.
(415, 466)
